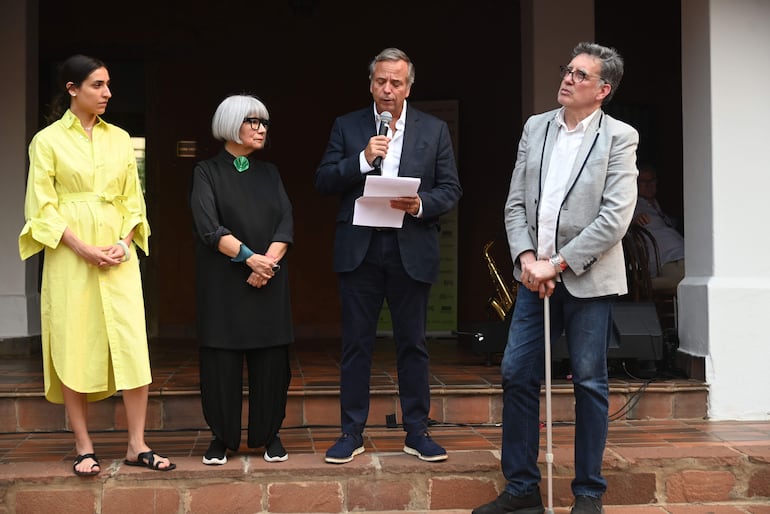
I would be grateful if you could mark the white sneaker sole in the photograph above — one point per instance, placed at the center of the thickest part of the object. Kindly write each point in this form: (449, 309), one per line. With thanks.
(280, 458)
(427, 458)
(215, 461)
(343, 460)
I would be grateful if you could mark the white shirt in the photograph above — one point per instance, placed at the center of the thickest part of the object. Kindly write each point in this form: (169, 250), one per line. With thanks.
(559, 169)
(392, 159)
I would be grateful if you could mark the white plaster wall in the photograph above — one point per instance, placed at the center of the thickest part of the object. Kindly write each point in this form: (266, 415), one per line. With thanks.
(14, 304)
(725, 298)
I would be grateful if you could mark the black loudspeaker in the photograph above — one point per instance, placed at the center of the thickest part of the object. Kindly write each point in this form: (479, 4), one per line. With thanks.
(636, 334)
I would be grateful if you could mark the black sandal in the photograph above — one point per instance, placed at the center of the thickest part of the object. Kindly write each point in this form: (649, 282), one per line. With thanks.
(81, 458)
(147, 460)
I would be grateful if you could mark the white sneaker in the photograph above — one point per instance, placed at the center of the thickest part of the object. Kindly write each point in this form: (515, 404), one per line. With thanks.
(275, 452)
(216, 455)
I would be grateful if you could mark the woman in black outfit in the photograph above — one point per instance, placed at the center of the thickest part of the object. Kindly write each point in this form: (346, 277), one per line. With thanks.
(243, 228)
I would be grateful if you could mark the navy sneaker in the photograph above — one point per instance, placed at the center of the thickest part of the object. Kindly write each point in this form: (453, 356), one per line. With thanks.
(506, 503)
(423, 447)
(275, 452)
(346, 447)
(216, 455)
(587, 505)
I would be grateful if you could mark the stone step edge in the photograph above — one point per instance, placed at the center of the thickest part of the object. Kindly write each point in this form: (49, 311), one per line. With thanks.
(469, 477)
(310, 391)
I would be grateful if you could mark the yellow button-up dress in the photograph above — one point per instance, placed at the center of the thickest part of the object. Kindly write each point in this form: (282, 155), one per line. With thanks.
(92, 319)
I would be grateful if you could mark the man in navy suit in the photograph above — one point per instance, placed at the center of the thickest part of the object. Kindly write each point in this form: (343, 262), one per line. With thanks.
(398, 265)
(571, 199)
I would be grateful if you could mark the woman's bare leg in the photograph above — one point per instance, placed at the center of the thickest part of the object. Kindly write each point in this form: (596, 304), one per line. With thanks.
(135, 401)
(76, 406)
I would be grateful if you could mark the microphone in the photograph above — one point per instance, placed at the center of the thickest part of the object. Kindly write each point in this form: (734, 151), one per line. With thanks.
(385, 119)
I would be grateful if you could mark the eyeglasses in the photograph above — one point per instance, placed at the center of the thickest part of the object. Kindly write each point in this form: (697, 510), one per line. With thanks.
(578, 76)
(257, 122)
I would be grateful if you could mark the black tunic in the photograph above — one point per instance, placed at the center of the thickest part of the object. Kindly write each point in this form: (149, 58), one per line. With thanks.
(252, 206)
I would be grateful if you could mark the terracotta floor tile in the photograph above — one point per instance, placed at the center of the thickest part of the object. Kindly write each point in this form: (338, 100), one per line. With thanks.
(315, 368)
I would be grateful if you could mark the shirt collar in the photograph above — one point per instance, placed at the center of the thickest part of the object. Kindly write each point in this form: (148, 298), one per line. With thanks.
(582, 126)
(400, 122)
(70, 119)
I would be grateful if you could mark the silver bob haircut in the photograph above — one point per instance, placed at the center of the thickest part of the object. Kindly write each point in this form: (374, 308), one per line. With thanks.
(228, 118)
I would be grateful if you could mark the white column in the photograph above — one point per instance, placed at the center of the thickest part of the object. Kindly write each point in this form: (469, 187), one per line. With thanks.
(19, 305)
(724, 301)
(550, 29)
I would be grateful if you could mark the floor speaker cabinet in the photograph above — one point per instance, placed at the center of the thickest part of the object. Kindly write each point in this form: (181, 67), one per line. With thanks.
(636, 335)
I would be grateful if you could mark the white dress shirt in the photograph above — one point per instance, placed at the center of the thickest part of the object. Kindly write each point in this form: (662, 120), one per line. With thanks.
(559, 169)
(392, 159)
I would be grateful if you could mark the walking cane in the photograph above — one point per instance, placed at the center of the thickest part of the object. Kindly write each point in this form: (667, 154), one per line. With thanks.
(548, 448)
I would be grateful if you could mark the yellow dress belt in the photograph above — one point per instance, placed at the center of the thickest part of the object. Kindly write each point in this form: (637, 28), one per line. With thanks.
(116, 200)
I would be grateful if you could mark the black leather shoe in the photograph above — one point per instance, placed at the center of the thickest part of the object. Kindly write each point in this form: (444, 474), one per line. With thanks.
(587, 505)
(508, 504)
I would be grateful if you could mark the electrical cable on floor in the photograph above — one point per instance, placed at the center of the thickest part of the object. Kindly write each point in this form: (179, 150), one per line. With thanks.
(633, 400)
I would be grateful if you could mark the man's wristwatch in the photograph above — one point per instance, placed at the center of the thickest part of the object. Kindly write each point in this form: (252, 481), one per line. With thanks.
(558, 263)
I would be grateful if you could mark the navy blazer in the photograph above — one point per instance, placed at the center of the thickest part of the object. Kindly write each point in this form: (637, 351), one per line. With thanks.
(427, 154)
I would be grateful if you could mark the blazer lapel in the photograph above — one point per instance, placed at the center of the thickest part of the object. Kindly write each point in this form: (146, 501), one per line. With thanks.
(550, 140)
(411, 131)
(367, 124)
(589, 140)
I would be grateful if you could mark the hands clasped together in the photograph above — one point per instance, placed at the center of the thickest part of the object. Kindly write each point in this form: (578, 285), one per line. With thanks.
(538, 275)
(99, 256)
(263, 268)
(103, 256)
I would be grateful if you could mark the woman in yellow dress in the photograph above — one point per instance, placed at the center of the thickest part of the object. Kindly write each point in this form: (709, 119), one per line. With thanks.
(85, 209)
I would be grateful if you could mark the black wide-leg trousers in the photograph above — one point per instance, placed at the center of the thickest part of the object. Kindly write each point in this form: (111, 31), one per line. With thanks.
(221, 384)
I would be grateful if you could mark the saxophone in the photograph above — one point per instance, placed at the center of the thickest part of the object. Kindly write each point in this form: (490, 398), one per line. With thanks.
(502, 302)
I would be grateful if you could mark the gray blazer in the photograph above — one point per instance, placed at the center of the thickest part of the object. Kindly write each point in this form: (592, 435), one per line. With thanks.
(598, 205)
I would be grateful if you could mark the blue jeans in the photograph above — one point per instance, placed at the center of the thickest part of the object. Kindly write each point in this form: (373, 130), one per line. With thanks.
(587, 324)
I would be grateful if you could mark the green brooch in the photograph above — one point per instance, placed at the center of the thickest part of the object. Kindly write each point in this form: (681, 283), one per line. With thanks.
(241, 164)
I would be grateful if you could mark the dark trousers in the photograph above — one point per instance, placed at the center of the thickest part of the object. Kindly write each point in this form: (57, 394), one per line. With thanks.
(221, 376)
(380, 277)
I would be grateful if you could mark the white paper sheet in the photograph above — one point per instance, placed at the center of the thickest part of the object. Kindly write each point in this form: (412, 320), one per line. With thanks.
(374, 210)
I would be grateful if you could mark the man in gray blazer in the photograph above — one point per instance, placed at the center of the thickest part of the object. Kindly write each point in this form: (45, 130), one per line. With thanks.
(570, 202)
(394, 264)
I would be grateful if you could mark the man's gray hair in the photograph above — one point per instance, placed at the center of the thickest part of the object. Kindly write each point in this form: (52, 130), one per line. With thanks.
(611, 61)
(393, 54)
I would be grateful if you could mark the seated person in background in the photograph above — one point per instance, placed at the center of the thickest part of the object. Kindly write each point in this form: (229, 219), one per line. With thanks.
(649, 215)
